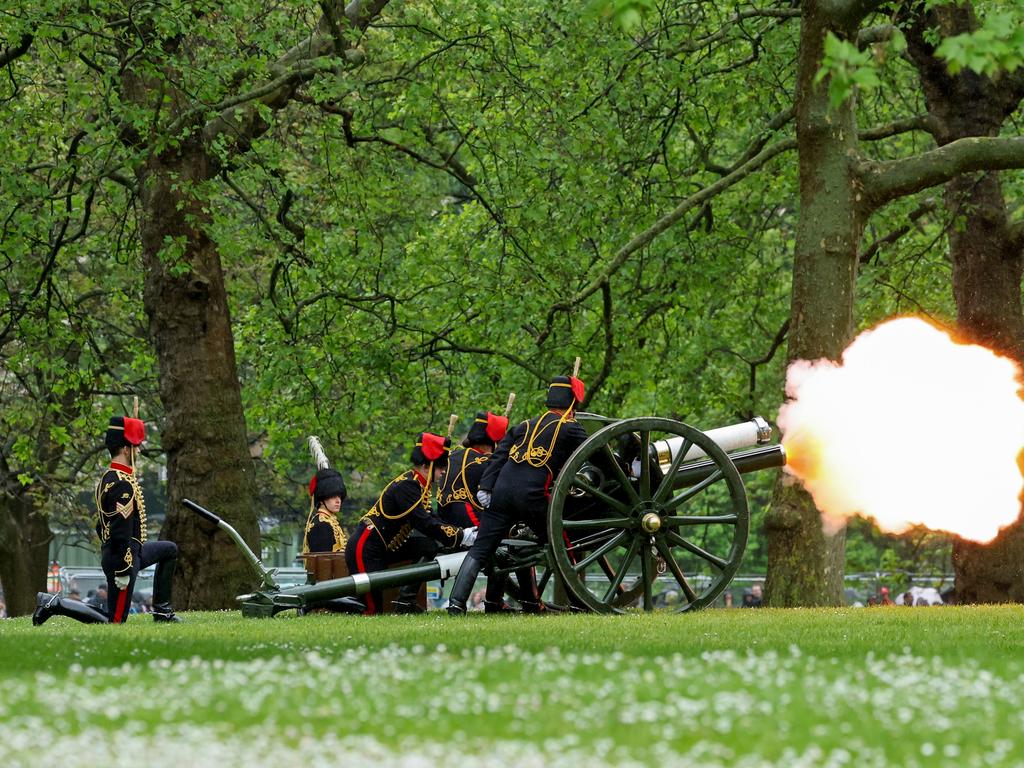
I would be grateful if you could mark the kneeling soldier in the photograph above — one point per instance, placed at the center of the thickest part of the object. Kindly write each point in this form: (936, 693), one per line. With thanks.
(516, 485)
(387, 534)
(456, 497)
(121, 526)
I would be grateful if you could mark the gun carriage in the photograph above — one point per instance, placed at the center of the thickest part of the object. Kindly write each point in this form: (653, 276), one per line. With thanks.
(644, 507)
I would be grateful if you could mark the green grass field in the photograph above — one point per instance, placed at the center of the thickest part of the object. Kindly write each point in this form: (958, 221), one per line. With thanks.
(883, 686)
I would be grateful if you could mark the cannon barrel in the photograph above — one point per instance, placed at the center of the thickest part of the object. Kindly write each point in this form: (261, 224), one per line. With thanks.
(757, 431)
(764, 457)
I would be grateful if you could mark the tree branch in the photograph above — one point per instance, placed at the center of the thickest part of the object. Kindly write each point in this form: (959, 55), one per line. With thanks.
(644, 238)
(609, 344)
(691, 46)
(7, 55)
(885, 181)
(915, 123)
(296, 66)
(849, 11)
(927, 206)
(871, 35)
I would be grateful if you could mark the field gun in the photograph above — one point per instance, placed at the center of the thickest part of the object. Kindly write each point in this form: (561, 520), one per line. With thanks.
(647, 512)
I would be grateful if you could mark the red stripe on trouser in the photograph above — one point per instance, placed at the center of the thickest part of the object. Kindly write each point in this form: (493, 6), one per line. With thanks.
(472, 515)
(371, 607)
(122, 600)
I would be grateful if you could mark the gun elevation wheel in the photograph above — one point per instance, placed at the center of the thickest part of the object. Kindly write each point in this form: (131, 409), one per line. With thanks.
(629, 528)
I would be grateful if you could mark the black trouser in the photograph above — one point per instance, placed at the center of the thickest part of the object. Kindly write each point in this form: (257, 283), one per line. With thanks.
(495, 522)
(119, 601)
(366, 553)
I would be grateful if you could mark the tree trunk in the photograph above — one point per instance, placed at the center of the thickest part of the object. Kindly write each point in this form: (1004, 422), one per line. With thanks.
(805, 564)
(204, 433)
(986, 258)
(24, 551)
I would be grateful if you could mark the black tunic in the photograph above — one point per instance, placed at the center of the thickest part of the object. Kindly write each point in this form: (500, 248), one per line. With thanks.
(526, 462)
(456, 498)
(120, 518)
(404, 506)
(323, 533)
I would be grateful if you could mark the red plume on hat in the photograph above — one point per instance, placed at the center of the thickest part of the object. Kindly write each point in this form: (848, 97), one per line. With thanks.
(124, 430)
(134, 430)
(578, 388)
(433, 446)
(497, 426)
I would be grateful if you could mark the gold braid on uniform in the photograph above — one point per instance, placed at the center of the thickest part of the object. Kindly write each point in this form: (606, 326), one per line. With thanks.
(536, 456)
(462, 493)
(418, 502)
(140, 504)
(340, 537)
(309, 524)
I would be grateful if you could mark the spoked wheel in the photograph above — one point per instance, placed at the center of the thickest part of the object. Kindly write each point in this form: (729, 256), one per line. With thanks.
(627, 532)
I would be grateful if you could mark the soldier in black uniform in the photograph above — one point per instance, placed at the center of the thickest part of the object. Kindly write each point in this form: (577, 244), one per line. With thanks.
(323, 531)
(387, 533)
(121, 527)
(516, 485)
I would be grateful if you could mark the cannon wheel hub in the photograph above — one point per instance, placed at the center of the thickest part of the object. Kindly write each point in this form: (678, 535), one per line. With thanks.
(651, 522)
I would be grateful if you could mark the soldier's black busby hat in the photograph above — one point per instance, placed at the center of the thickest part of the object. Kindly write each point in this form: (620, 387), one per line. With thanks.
(124, 431)
(565, 392)
(326, 483)
(428, 448)
(487, 428)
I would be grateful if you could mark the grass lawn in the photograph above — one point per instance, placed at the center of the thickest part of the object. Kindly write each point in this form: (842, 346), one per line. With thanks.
(857, 687)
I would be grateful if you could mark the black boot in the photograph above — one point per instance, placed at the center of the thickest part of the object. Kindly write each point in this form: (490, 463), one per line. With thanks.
(463, 585)
(494, 599)
(530, 598)
(162, 579)
(164, 612)
(408, 600)
(48, 605)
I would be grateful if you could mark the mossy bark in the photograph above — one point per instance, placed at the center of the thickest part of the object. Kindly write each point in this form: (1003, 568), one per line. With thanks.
(805, 564)
(24, 550)
(204, 433)
(986, 255)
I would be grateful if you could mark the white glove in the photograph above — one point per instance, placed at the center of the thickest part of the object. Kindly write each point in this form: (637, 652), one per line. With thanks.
(484, 497)
(121, 582)
(468, 536)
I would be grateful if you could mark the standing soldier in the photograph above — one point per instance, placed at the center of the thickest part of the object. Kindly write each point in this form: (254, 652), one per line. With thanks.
(516, 485)
(121, 526)
(388, 532)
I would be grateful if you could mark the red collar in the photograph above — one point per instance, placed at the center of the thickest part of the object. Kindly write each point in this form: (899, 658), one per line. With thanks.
(478, 450)
(120, 467)
(420, 478)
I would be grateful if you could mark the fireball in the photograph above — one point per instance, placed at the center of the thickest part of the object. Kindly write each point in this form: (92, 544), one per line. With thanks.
(910, 428)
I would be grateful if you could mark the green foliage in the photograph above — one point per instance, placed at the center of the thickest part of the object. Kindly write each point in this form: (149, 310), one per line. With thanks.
(628, 15)
(997, 46)
(849, 69)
